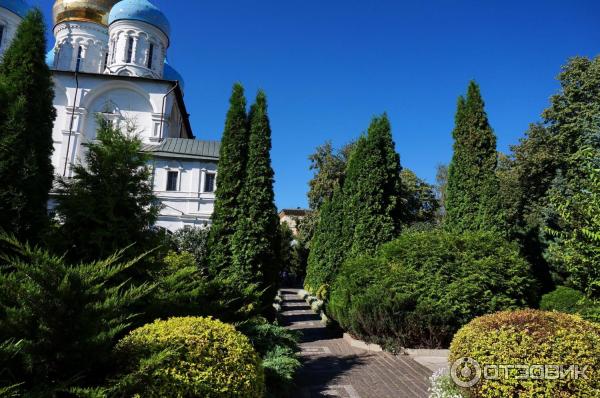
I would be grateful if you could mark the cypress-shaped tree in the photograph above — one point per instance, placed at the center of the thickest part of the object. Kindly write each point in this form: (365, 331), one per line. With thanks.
(232, 171)
(472, 202)
(328, 247)
(255, 242)
(372, 190)
(26, 121)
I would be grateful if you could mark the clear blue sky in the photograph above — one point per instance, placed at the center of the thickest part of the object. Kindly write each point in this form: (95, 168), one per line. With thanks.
(329, 66)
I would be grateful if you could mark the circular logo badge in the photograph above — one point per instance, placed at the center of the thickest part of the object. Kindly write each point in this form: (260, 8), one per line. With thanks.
(465, 372)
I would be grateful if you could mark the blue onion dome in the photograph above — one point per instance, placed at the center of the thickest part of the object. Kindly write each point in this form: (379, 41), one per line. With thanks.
(170, 73)
(139, 10)
(18, 7)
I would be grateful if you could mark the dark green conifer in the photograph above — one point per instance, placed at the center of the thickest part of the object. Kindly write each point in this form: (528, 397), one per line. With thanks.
(372, 190)
(255, 242)
(232, 171)
(472, 202)
(26, 121)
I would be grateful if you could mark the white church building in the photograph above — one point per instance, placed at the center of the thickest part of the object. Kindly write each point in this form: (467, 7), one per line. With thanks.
(110, 59)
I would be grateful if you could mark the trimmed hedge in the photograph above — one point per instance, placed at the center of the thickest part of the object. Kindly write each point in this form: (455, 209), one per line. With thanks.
(531, 337)
(571, 301)
(189, 357)
(425, 285)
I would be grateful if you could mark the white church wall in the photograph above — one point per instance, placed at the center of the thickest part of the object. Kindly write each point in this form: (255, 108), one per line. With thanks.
(9, 22)
(85, 40)
(189, 204)
(137, 101)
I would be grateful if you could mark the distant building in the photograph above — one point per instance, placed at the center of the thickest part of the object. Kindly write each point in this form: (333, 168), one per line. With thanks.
(292, 216)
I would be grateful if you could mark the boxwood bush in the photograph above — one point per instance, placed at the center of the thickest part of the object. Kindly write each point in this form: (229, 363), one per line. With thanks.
(425, 285)
(189, 357)
(571, 301)
(531, 337)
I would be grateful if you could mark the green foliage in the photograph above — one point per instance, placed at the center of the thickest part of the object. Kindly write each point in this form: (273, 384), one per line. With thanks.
(255, 243)
(419, 202)
(371, 191)
(108, 205)
(277, 346)
(232, 171)
(66, 317)
(571, 301)
(330, 170)
(471, 202)
(26, 120)
(534, 338)
(328, 247)
(194, 241)
(423, 286)
(576, 247)
(189, 357)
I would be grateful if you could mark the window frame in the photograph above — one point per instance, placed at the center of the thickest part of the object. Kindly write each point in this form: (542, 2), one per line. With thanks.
(150, 56)
(208, 175)
(130, 50)
(169, 181)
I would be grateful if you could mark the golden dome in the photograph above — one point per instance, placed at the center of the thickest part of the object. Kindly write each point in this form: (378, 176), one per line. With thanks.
(83, 10)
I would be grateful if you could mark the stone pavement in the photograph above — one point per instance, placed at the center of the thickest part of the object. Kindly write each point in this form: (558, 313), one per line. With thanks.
(333, 368)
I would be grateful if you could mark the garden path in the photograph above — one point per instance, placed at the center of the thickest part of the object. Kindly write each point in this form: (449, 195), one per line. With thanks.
(333, 368)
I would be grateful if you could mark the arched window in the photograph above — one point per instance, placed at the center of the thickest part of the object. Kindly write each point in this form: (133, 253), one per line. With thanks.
(150, 55)
(105, 62)
(129, 50)
(79, 58)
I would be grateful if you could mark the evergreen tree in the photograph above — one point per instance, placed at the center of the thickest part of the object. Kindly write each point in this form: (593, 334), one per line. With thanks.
(232, 170)
(109, 204)
(256, 238)
(372, 190)
(26, 121)
(328, 247)
(472, 202)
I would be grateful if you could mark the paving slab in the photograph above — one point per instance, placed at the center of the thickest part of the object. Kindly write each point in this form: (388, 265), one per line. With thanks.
(334, 368)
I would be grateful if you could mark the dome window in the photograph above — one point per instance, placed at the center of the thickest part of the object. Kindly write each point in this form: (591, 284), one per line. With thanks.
(79, 59)
(150, 55)
(130, 50)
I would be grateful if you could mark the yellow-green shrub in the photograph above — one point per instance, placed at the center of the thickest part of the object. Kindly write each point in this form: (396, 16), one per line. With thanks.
(190, 357)
(531, 337)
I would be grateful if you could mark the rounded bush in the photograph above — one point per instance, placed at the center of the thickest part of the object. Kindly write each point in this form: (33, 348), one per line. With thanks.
(571, 301)
(531, 337)
(425, 285)
(191, 357)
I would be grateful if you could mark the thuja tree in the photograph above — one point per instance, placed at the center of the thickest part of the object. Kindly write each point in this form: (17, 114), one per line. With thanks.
(232, 171)
(256, 238)
(472, 202)
(108, 205)
(372, 206)
(26, 120)
(328, 247)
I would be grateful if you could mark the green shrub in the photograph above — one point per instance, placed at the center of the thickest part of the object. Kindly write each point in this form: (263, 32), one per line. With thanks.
(277, 346)
(571, 301)
(531, 337)
(65, 318)
(425, 285)
(189, 357)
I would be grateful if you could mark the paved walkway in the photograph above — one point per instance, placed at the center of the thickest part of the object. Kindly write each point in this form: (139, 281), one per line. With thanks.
(332, 368)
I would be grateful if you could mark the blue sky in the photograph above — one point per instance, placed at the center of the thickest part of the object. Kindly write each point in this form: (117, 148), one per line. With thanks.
(329, 66)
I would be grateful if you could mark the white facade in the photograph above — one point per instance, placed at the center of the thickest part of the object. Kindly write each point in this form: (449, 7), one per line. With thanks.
(192, 202)
(120, 72)
(9, 21)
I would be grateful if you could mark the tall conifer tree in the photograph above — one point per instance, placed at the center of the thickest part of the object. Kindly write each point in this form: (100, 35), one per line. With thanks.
(26, 121)
(255, 242)
(232, 170)
(472, 202)
(372, 190)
